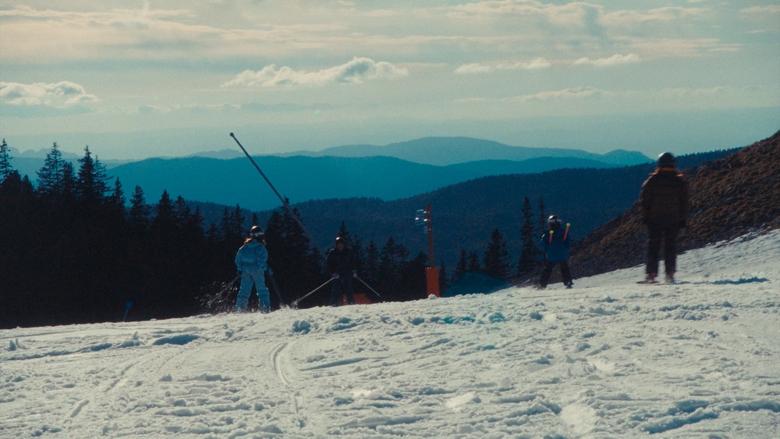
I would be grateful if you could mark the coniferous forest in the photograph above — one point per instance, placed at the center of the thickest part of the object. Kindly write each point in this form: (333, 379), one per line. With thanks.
(78, 247)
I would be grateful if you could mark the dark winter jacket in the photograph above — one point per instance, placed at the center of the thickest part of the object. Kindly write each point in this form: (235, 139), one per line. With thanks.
(341, 262)
(556, 244)
(664, 198)
(252, 257)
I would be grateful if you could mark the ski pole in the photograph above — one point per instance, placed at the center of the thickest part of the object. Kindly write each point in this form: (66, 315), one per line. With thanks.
(285, 201)
(295, 302)
(369, 287)
(275, 286)
(221, 294)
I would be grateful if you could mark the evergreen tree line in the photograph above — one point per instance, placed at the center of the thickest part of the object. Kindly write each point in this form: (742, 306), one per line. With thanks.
(75, 250)
(495, 259)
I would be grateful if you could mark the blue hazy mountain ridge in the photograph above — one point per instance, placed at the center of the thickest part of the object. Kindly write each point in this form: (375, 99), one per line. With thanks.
(444, 151)
(300, 178)
(465, 213)
(30, 164)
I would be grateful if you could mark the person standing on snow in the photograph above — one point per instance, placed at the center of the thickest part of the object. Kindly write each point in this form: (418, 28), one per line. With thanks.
(340, 263)
(555, 242)
(664, 200)
(252, 264)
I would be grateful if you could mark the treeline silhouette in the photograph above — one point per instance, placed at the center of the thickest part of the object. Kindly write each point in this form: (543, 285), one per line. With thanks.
(76, 250)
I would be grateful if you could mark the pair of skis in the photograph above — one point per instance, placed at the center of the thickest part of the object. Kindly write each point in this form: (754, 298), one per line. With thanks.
(655, 282)
(327, 282)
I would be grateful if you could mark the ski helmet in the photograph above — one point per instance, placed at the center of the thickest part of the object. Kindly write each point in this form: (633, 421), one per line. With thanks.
(553, 220)
(256, 232)
(340, 239)
(666, 160)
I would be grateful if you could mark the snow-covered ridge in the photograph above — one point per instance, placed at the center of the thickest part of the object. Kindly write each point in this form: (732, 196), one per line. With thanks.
(609, 358)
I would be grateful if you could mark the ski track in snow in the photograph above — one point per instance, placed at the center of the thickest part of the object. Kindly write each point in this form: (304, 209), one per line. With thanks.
(609, 358)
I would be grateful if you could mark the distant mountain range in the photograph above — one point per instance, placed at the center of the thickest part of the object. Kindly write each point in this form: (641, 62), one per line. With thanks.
(387, 172)
(465, 213)
(444, 151)
(30, 161)
(234, 181)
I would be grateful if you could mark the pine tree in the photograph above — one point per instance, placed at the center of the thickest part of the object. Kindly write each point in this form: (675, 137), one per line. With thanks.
(371, 266)
(387, 276)
(462, 265)
(68, 181)
(343, 232)
(232, 226)
(165, 217)
(181, 211)
(474, 262)
(50, 174)
(91, 184)
(358, 253)
(237, 220)
(496, 256)
(529, 253)
(542, 215)
(5, 161)
(297, 267)
(212, 235)
(117, 198)
(139, 211)
(444, 280)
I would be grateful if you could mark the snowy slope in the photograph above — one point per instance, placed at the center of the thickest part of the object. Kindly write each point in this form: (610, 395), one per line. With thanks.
(609, 358)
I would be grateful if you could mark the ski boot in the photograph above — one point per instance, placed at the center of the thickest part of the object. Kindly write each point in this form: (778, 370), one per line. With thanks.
(649, 279)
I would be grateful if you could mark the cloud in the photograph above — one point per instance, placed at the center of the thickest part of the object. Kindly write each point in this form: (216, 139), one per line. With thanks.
(477, 68)
(46, 35)
(633, 18)
(584, 92)
(258, 107)
(355, 71)
(761, 10)
(681, 47)
(694, 92)
(63, 94)
(614, 60)
(568, 14)
(566, 93)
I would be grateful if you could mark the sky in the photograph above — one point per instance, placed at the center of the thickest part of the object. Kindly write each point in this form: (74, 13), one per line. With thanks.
(143, 78)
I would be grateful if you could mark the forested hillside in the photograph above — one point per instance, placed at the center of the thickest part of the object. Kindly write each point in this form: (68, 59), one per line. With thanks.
(465, 214)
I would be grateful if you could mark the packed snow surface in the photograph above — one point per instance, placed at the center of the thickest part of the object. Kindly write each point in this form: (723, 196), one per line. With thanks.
(609, 358)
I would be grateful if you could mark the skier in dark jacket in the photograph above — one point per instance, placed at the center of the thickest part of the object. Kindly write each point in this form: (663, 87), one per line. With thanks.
(555, 242)
(664, 200)
(340, 263)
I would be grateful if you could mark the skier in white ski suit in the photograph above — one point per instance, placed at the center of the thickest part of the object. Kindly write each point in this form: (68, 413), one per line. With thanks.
(252, 263)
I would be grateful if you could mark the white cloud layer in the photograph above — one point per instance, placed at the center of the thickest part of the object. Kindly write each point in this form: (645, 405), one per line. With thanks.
(566, 93)
(355, 71)
(761, 10)
(614, 60)
(477, 68)
(61, 94)
(637, 17)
